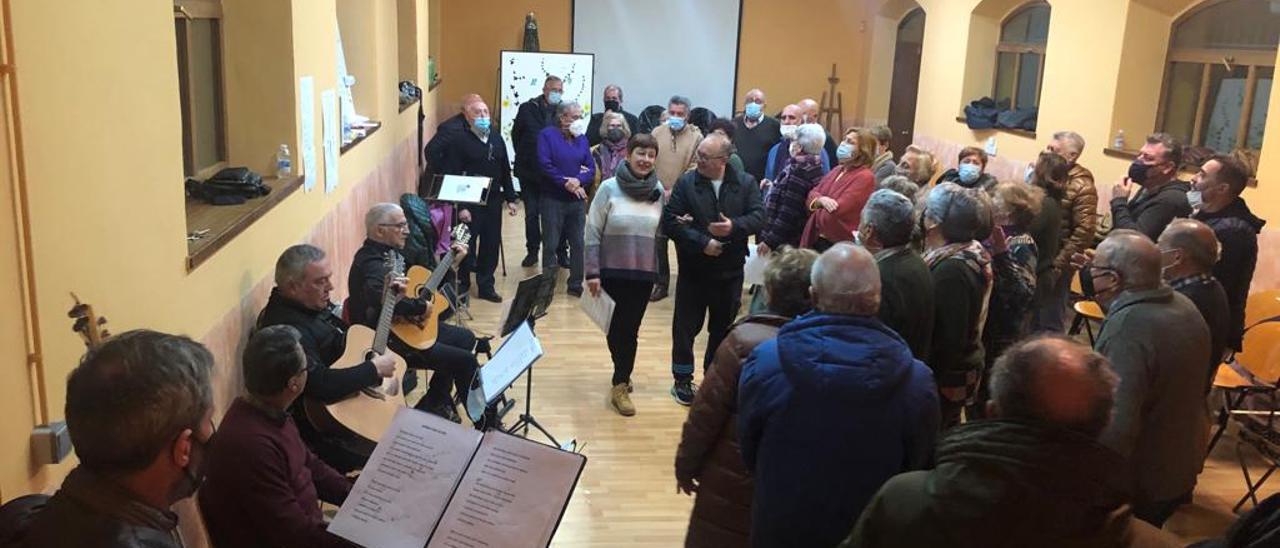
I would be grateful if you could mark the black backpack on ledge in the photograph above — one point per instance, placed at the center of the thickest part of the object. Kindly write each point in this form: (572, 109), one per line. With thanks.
(231, 186)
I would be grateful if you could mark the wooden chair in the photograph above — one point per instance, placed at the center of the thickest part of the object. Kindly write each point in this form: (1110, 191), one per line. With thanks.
(1086, 311)
(1261, 306)
(1255, 371)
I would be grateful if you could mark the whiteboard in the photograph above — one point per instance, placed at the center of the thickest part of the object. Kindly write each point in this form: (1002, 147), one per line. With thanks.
(521, 78)
(658, 48)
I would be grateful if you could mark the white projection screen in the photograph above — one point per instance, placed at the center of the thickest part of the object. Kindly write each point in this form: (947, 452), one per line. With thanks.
(658, 48)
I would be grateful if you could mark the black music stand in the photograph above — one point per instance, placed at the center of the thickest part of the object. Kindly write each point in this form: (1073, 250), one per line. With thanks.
(533, 297)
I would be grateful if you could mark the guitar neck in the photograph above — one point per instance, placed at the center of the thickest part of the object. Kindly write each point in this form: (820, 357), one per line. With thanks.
(437, 275)
(389, 299)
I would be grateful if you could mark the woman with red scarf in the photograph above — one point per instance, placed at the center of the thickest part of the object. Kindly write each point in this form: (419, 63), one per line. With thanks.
(838, 199)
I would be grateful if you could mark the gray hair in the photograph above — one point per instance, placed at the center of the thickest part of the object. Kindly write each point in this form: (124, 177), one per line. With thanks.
(679, 100)
(1055, 381)
(129, 399)
(610, 116)
(845, 280)
(606, 89)
(378, 214)
(1134, 256)
(565, 106)
(902, 185)
(272, 357)
(1072, 139)
(892, 215)
(811, 137)
(786, 280)
(292, 264)
(964, 214)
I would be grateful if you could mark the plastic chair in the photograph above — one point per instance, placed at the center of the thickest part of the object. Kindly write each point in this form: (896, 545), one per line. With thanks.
(1250, 371)
(1086, 311)
(1255, 372)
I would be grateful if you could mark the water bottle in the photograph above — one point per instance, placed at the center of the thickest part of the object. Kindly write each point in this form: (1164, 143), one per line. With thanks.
(1118, 143)
(284, 164)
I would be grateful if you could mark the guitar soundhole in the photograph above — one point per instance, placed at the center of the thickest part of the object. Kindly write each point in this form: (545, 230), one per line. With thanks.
(369, 355)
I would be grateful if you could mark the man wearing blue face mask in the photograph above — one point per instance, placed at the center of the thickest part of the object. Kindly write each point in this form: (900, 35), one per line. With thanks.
(1162, 198)
(612, 103)
(480, 151)
(754, 133)
(533, 116)
(677, 142)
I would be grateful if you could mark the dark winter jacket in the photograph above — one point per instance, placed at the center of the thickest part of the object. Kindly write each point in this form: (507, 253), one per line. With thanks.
(465, 154)
(906, 298)
(984, 181)
(532, 116)
(1150, 212)
(827, 412)
(90, 510)
(1211, 300)
(1008, 484)
(709, 450)
(694, 196)
(1237, 230)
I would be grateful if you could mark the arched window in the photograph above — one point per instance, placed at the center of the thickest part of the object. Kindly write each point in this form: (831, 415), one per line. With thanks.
(1222, 59)
(1020, 56)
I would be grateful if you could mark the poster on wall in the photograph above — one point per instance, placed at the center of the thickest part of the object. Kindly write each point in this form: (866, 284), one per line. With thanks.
(521, 78)
(332, 138)
(307, 106)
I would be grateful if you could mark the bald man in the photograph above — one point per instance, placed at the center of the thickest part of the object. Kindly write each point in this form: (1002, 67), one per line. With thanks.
(811, 110)
(1188, 252)
(780, 155)
(447, 130)
(1031, 474)
(831, 409)
(1158, 343)
(754, 133)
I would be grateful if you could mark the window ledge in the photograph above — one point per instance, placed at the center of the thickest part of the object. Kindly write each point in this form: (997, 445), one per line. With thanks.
(224, 223)
(410, 104)
(1011, 131)
(370, 128)
(1120, 153)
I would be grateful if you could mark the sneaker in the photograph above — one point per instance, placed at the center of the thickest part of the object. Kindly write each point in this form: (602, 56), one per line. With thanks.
(621, 401)
(491, 296)
(530, 259)
(658, 293)
(683, 392)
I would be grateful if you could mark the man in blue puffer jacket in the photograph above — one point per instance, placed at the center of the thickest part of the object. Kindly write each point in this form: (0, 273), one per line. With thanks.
(831, 409)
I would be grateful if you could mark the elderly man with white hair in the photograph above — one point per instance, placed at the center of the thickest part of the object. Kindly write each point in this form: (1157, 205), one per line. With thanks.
(831, 409)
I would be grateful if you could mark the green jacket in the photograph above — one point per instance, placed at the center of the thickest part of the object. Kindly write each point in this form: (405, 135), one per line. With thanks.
(1006, 483)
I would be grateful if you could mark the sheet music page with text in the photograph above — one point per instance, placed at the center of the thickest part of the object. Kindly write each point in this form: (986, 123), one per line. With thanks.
(407, 482)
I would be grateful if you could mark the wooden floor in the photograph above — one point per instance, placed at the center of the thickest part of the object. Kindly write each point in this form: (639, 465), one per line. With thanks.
(627, 494)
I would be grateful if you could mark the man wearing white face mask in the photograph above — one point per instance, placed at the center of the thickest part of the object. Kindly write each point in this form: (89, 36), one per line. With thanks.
(677, 142)
(754, 133)
(567, 169)
(1215, 193)
(780, 155)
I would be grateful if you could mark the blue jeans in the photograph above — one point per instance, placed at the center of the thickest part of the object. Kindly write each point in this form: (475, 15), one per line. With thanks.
(565, 220)
(1051, 310)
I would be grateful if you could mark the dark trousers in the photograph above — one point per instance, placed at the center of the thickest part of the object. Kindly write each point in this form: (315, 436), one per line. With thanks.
(451, 359)
(664, 262)
(482, 253)
(1052, 304)
(563, 220)
(529, 193)
(631, 298)
(717, 301)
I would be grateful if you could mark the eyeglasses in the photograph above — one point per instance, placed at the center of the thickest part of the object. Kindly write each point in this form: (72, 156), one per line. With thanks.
(402, 225)
(701, 158)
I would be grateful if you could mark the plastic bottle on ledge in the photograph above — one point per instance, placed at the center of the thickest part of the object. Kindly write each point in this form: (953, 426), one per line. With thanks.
(1118, 143)
(284, 163)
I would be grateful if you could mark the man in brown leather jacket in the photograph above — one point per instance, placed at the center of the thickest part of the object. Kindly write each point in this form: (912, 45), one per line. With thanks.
(1079, 224)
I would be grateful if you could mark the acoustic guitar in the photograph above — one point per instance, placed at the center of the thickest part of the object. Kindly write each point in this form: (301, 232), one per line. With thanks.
(421, 333)
(367, 413)
(90, 326)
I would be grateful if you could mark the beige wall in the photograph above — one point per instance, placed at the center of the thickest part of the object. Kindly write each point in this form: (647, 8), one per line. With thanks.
(104, 163)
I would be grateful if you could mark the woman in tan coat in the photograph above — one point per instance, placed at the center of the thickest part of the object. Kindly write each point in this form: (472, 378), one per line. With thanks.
(708, 461)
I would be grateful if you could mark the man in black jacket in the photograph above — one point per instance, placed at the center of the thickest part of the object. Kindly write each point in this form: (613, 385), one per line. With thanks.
(451, 357)
(532, 117)
(711, 213)
(301, 300)
(906, 286)
(475, 150)
(1162, 197)
(612, 103)
(1188, 250)
(1217, 188)
(436, 147)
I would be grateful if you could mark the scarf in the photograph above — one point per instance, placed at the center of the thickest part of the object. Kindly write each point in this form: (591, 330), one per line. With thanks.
(612, 155)
(886, 156)
(644, 190)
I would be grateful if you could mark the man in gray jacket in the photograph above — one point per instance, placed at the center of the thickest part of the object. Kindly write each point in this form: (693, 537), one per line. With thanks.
(1157, 341)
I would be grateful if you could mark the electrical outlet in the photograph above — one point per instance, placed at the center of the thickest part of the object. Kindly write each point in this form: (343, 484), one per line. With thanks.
(51, 443)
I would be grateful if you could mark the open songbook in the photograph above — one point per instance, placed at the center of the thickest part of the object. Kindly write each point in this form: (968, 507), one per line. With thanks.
(431, 482)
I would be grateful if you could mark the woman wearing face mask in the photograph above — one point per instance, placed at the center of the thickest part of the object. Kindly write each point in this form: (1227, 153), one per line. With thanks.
(612, 150)
(954, 220)
(917, 164)
(1051, 174)
(972, 171)
(786, 210)
(838, 199)
(622, 227)
(567, 169)
(1013, 265)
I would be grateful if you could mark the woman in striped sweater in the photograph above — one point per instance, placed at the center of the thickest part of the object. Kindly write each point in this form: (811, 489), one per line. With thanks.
(622, 225)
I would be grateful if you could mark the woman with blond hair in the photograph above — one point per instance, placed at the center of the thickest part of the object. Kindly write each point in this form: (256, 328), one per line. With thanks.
(838, 199)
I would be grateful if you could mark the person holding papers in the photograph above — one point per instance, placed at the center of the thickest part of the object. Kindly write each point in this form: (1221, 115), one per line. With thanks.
(622, 226)
(264, 483)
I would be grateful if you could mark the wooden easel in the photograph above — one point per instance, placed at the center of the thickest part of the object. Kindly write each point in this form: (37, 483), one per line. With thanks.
(832, 104)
